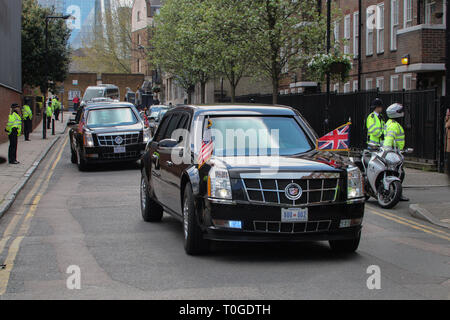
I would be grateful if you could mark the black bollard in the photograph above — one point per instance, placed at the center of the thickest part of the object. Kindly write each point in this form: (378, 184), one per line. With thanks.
(53, 127)
(44, 126)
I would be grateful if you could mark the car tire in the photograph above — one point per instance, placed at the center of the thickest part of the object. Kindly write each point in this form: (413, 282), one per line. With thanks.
(194, 243)
(151, 211)
(345, 246)
(82, 164)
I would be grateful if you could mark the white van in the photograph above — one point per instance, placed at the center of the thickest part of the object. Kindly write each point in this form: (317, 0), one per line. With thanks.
(101, 91)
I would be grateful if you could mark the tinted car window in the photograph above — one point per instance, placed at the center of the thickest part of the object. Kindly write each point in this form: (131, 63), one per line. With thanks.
(172, 125)
(162, 129)
(93, 93)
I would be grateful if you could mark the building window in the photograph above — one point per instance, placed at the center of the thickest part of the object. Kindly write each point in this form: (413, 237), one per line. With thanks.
(139, 65)
(138, 16)
(407, 81)
(355, 34)
(336, 32)
(369, 32)
(394, 24)
(407, 13)
(369, 84)
(336, 87)
(430, 6)
(139, 39)
(347, 87)
(347, 34)
(355, 85)
(380, 28)
(380, 83)
(394, 83)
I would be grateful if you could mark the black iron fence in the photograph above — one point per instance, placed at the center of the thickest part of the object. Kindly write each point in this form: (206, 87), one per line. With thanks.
(422, 119)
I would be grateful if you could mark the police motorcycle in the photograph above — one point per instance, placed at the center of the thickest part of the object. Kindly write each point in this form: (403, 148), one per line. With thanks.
(383, 174)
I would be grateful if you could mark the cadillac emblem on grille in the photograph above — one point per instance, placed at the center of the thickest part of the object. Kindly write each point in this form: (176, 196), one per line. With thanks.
(293, 191)
(118, 140)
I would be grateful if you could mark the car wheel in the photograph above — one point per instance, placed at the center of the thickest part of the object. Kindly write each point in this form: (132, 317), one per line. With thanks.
(194, 243)
(150, 209)
(82, 165)
(345, 246)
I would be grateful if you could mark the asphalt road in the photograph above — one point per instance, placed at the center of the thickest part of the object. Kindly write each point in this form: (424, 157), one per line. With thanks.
(92, 220)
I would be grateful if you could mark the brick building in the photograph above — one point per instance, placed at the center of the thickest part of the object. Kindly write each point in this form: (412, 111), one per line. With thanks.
(400, 27)
(142, 15)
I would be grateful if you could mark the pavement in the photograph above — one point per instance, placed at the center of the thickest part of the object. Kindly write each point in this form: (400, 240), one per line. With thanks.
(428, 209)
(29, 153)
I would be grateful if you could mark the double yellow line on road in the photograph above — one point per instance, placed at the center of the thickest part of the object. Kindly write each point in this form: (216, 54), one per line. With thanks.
(41, 184)
(410, 223)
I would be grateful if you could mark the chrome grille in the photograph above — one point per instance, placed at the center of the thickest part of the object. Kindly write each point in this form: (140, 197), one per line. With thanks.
(292, 227)
(108, 139)
(316, 190)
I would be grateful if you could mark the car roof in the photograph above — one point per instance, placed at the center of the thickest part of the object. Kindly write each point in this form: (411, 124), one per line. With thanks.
(239, 109)
(108, 105)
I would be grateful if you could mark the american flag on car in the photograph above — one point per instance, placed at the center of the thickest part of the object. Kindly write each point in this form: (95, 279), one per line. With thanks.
(336, 140)
(207, 145)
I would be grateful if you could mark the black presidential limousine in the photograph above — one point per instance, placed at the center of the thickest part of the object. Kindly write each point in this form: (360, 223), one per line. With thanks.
(264, 181)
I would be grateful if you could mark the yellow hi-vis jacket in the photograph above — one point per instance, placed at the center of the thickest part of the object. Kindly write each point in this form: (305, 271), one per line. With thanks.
(56, 105)
(375, 128)
(26, 112)
(395, 135)
(49, 111)
(14, 121)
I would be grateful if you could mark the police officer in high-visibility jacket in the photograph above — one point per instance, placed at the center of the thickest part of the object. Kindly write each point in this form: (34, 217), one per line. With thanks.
(14, 129)
(375, 124)
(27, 117)
(56, 106)
(394, 132)
(49, 113)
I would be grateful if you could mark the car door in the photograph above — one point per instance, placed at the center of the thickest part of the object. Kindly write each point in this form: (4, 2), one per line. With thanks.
(166, 162)
(155, 161)
(173, 167)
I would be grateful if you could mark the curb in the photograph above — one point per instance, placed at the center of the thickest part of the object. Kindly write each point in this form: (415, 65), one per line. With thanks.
(11, 196)
(418, 212)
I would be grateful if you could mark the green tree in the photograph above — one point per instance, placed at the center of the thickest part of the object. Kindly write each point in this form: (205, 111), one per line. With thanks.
(35, 62)
(288, 33)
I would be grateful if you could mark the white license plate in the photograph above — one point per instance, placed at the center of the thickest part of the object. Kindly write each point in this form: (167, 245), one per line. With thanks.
(294, 214)
(119, 150)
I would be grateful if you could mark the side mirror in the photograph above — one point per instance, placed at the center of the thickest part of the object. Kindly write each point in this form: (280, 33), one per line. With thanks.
(409, 150)
(168, 143)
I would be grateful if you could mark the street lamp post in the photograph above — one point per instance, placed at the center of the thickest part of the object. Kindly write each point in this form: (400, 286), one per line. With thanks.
(328, 102)
(44, 117)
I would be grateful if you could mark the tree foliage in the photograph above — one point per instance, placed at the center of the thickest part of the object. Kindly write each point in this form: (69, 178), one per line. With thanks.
(36, 63)
(108, 47)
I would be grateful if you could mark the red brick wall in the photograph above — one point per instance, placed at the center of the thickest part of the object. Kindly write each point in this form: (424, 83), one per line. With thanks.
(7, 97)
(123, 81)
(84, 80)
(139, 54)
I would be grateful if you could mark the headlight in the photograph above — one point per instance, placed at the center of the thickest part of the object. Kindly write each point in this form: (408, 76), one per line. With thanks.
(219, 185)
(88, 140)
(146, 136)
(354, 183)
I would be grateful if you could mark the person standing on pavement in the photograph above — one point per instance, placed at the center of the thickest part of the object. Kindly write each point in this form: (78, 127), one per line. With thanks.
(27, 117)
(76, 103)
(49, 113)
(375, 123)
(394, 133)
(14, 129)
(56, 106)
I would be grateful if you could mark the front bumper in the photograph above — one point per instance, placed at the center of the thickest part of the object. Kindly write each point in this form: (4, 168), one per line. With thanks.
(262, 223)
(106, 154)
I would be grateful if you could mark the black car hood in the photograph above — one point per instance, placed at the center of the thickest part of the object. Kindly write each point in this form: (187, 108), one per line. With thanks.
(313, 161)
(109, 129)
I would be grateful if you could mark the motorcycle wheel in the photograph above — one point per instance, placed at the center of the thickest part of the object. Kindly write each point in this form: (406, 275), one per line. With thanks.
(387, 199)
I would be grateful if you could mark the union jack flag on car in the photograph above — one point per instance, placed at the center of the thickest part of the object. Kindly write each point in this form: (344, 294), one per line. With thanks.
(336, 140)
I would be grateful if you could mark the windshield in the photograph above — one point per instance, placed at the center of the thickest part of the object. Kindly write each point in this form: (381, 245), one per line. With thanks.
(158, 113)
(111, 117)
(93, 93)
(256, 136)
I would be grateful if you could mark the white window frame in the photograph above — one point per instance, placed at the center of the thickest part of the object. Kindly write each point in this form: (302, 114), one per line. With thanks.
(355, 85)
(336, 32)
(347, 87)
(428, 12)
(369, 80)
(380, 28)
(336, 87)
(347, 33)
(407, 13)
(394, 77)
(355, 34)
(394, 23)
(405, 77)
(379, 80)
(369, 44)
